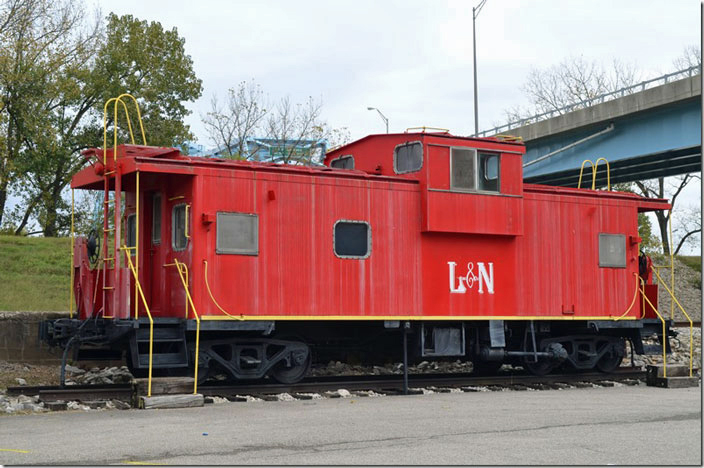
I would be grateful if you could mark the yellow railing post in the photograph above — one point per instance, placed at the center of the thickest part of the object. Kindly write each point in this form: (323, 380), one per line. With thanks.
(136, 247)
(581, 171)
(70, 291)
(181, 268)
(138, 286)
(691, 323)
(664, 336)
(608, 173)
(672, 263)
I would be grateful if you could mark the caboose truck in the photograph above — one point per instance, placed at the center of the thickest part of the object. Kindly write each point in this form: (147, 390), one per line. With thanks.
(256, 269)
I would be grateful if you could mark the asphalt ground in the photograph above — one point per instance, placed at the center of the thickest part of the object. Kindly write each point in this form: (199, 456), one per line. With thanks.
(620, 425)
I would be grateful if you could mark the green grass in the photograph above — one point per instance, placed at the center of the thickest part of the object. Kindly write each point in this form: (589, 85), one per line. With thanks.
(34, 273)
(693, 262)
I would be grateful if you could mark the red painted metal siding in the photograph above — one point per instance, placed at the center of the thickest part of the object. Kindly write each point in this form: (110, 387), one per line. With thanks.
(531, 251)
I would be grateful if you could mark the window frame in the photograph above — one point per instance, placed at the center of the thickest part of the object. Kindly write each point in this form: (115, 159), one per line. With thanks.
(369, 239)
(476, 155)
(220, 251)
(344, 156)
(620, 265)
(422, 156)
(173, 227)
(498, 170)
(131, 241)
(156, 197)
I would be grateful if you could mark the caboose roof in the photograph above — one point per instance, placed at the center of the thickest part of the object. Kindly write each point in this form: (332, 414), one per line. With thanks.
(170, 161)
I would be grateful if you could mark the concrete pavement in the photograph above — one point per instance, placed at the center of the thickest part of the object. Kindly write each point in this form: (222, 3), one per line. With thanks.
(622, 425)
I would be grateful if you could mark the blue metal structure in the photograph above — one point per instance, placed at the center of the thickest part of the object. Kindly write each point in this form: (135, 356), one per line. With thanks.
(644, 131)
(270, 150)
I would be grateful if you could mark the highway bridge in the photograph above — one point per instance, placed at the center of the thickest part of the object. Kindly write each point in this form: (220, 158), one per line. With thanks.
(648, 130)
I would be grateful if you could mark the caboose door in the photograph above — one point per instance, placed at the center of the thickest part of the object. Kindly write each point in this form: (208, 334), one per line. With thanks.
(178, 246)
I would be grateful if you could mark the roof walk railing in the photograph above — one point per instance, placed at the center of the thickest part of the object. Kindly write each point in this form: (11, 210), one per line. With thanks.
(642, 86)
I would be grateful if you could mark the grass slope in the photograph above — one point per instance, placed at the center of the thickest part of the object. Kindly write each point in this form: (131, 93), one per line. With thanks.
(34, 273)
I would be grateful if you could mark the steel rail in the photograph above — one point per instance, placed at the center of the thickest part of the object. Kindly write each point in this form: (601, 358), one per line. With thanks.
(380, 383)
(395, 382)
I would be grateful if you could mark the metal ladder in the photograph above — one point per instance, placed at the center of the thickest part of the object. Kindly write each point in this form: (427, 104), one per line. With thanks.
(112, 273)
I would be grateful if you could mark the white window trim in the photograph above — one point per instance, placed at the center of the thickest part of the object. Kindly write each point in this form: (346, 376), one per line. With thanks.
(369, 239)
(220, 251)
(173, 230)
(422, 156)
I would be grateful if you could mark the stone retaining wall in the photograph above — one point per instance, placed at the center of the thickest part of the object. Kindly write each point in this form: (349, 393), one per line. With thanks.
(19, 338)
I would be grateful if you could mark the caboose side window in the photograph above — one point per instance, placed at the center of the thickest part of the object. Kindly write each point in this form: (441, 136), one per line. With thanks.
(463, 162)
(131, 231)
(352, 239)
(237, 233)
(612, 251)
(178, 227)
(470, 170)
(343, 162)
(488, 175)
(156, 219)
(408, 157)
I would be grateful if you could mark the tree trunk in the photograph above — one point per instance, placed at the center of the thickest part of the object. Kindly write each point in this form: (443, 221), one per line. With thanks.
(3, 199)
(664, 235)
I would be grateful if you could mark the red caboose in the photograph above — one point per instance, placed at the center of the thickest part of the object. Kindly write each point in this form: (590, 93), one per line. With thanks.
(242, 267)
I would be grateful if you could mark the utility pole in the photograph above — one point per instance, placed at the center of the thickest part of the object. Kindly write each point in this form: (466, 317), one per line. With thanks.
(475, 14)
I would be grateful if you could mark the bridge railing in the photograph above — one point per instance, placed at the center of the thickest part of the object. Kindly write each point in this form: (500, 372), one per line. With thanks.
(642, 86)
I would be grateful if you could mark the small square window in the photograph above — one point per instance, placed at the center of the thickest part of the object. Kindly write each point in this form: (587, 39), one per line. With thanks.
(488, 172)
(463, 169)
(408, 157)
(352, 239)
(612, 250)
(343, 162)
(178, 227)
(237, 233)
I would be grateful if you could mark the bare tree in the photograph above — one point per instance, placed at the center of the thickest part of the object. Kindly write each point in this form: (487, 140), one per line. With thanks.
(572, 82)
(292, 124)
(231, 127)
(686, 227)
(691, 57)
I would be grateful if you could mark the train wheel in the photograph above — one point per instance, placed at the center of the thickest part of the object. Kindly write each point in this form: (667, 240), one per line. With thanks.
(542, 367)
(613, 357)
(300, 365)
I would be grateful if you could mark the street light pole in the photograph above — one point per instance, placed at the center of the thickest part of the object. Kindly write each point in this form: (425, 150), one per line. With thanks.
(475, 14)
(386, 121)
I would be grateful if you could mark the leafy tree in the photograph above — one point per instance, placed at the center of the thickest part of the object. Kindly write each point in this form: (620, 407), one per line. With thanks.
(133, 56)
(38, 40)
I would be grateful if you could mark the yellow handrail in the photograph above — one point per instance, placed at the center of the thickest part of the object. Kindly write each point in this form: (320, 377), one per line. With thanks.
(608, 173)
(595, 166)
(664, 336)
(581, 171)
(181, 268)
(207, 286)
(136, 246)
(691, 323)
(635, 294)
(138, 287)
(129, 124)
(70, 291)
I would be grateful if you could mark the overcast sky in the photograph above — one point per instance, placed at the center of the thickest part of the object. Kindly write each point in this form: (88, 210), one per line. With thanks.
(411, 59)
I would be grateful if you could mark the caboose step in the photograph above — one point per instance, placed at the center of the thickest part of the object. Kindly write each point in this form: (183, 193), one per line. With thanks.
(655, 350)
(161, 334)
(163, 360)
(677, 377)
